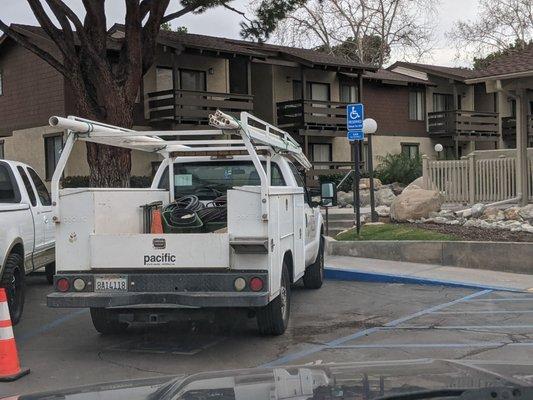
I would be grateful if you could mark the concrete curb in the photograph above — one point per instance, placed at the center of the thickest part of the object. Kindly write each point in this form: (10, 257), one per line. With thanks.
(364, 276)
(514, 257)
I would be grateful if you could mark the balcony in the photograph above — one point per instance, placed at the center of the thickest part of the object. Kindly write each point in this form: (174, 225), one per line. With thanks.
(191, 108)
(467, 125)
(509, 128)
(313, 117)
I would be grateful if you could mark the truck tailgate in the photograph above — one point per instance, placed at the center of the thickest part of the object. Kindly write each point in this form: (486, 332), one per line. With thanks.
(163, 251)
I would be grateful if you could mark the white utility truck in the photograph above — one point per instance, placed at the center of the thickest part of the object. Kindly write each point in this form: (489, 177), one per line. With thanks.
(26, 231)
(238, 227)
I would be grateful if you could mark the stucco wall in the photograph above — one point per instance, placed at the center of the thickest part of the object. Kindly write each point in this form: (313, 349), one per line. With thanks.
(383, 145)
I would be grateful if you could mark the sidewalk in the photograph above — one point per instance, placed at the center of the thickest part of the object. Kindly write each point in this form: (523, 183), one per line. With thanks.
(374, 270)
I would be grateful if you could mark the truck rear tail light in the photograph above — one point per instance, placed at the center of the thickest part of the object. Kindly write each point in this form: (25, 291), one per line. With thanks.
(239, 284)
(256, 284)
(63, 284)
(79, 284)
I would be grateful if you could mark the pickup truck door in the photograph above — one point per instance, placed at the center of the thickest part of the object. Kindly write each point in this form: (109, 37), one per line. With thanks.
(43, 218)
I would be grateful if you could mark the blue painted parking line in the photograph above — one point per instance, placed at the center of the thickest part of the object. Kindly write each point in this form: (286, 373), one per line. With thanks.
(481, 312)
(504, 299)
(366, 332)
(526, 326)
(422, 345)
(51, 325)
(382, 277)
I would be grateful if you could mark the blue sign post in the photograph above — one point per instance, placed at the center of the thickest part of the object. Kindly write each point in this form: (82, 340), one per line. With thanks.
(355, 114)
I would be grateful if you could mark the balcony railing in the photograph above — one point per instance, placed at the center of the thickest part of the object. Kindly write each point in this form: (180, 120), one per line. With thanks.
(509, 128)
(312, 115)
(463, 123)
(193, 107)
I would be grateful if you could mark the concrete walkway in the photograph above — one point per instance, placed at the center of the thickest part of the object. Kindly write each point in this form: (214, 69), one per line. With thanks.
(369, 269)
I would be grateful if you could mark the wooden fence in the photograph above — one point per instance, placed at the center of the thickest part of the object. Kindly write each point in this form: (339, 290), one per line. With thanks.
(472, 180)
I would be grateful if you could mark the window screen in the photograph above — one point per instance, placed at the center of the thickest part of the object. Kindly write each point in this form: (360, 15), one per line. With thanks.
(416, 105)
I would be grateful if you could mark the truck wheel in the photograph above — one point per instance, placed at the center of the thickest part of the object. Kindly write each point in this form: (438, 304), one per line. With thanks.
(13, 281)
(273, 318)
(50, 270)
(106, 321)
(314, 274)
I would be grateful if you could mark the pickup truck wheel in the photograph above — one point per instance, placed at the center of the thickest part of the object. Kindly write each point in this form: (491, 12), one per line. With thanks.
(314, 274)
(50, 271)
(106, 321)
(273, 319)
(13, 281)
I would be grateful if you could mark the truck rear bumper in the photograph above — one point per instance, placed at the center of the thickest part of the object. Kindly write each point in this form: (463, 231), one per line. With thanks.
(199, 299)
(165, 289)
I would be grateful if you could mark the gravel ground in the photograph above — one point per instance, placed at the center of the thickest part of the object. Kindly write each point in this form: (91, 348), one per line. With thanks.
(478, 234)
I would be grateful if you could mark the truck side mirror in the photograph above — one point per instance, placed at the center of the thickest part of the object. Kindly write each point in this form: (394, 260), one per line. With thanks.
(328, 194)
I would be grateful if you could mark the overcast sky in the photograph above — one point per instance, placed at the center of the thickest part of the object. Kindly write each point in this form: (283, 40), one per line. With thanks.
(221, 22)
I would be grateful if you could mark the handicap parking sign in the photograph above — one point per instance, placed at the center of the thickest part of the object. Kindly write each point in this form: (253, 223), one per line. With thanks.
(355, 114)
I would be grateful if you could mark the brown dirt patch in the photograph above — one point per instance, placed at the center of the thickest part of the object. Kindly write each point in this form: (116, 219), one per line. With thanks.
(471, 233)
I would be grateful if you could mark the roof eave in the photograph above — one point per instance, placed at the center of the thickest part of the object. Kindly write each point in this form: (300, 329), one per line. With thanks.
(512, 75)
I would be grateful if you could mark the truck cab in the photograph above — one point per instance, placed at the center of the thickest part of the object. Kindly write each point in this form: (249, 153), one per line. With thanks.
(227, 223)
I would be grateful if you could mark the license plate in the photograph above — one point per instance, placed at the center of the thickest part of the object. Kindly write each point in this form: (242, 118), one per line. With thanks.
(110, 284)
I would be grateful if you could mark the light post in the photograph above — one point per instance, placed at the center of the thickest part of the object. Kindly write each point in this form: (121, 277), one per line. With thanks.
(438, 148)
(370, 126)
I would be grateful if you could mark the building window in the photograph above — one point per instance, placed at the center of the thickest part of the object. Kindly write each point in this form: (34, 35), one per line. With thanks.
(313, 91)
(321, 153)
(2, 155)
(442, 102)
(348, 93)
(411, 149)
(1, 83)
(52, 151)
(416, 105)
(193, 80)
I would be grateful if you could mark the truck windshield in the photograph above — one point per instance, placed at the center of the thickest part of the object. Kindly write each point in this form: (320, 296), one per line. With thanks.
(211, 179)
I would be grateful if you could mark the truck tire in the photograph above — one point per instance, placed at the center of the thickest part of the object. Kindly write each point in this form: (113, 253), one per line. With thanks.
(273, 318)
(50, 271)
(106, 321)
(314, 274)
(13, 281)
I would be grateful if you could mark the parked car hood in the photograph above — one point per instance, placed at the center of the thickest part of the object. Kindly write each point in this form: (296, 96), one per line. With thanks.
(349, 380)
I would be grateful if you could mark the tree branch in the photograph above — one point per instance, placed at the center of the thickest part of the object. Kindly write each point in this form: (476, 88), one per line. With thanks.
(24, 42)
(180, 13)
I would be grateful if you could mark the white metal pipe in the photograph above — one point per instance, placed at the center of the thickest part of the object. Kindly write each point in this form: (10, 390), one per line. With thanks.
(61, 164)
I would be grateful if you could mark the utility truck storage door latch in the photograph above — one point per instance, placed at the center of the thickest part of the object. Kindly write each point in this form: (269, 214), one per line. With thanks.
(250, 245)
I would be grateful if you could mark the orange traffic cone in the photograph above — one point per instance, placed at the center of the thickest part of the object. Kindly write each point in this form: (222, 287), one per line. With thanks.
(9, 360)
(157, 223)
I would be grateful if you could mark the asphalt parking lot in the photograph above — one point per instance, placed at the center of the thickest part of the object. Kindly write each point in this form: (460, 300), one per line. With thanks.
(343, 321)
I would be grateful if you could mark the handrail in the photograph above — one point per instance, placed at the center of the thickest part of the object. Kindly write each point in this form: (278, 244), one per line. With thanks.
(199, 93)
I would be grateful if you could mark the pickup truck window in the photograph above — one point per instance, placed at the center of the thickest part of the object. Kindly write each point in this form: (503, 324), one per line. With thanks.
(42, 191)
(27, 185)
(8, 192)
(208, 180)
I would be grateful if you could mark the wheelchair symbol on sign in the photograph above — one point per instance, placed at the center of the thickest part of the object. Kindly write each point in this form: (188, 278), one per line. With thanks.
(354, 114)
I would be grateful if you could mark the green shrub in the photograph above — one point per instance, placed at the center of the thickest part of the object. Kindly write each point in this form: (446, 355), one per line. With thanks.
(337, 178)
(83, 181)
(398, 168)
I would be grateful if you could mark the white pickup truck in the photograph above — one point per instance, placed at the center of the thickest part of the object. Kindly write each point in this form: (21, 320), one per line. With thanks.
(237, 228)
(26, 231)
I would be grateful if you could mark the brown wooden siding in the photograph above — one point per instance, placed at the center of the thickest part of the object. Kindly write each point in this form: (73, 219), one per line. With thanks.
(33, 90)
(389, 106)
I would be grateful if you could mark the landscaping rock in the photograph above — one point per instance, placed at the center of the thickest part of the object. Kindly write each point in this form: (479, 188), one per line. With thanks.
(527, 212)
(344, 199)
(414, 204)
(364, 198)
(383, 211)
(477, 210)
(513, 213)
(397, 188)
(493, 214)
(384, 197)
(418, 183)
(366, 183)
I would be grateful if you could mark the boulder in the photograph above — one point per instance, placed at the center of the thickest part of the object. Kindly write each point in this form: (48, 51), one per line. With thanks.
(493, 214)
(418, 183)
(397, 187)
(513, 214)
(364, 198)
(384, 197)
(526, 212)
(344, 199)
(477, 210)
(366, 183)
(415, 204)
(383, 211)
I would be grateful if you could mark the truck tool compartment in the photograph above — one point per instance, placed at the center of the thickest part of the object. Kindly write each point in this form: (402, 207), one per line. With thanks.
(223, 225)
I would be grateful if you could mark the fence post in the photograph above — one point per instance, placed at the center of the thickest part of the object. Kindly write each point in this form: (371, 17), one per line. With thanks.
(425, 171)
(471, 179)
